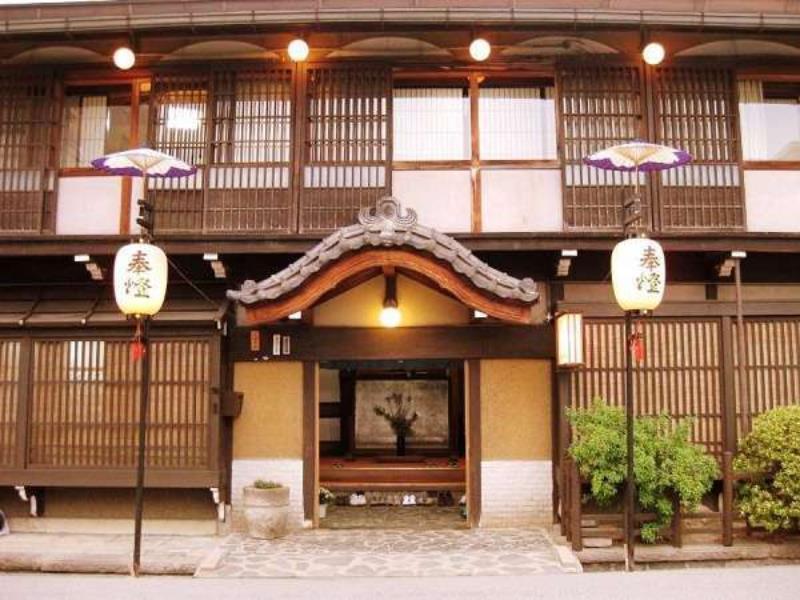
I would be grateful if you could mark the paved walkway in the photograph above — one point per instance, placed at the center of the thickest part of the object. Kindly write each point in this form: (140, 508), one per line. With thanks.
(76, 553)
(390, 553)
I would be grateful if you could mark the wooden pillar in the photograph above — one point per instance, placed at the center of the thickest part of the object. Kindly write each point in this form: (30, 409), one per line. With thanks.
(575, 506)
(473, 373)
(347, 415)
(24, 393)
(562, 433)
(744, 400)
(729, 433)
(310, 442)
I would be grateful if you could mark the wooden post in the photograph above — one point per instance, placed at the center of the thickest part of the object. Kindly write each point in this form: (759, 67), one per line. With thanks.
(473, 373)
(744, 400)
(727, 498)
(310, 442)
(677, 523)
(144, 402)
(729, 430)
(575, 506)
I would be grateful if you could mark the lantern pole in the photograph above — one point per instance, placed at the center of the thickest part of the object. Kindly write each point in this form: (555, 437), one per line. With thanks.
(630, 487)
(144, 401)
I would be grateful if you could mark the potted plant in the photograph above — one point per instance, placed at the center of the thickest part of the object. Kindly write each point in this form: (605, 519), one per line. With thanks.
(326, 497)
(400, 414)
(266, 509)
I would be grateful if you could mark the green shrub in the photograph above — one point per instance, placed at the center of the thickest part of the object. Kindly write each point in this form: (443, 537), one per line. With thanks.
(262, 484)
(666, 464)
(770, 454)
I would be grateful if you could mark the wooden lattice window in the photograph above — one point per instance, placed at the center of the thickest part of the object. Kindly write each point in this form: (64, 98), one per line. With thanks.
(696, 110)
(347, 148)
(681, 373)
(28, 120)
(251, 148)
(236, 126)
(9, 398)
(772, 365)
(599, 106)
(178, 113)
(84, 404)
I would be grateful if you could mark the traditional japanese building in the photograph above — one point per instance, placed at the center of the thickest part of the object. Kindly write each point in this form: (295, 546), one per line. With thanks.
(389, 169)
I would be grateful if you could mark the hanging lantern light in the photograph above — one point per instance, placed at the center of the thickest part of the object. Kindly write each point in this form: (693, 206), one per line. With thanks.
(298, 50)
(569, 339)
(140, 279)
(638, 274)
(480, 49)
(653, 53)
(124, 58)
(390, 313)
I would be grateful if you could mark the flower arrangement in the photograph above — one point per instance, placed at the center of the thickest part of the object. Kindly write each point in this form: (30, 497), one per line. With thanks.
(400, 414)
(261, 484)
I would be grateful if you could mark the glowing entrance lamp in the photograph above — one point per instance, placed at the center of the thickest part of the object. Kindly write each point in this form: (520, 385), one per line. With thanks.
(390, 313)
(638, 278)
(140, 285)
(569, 340)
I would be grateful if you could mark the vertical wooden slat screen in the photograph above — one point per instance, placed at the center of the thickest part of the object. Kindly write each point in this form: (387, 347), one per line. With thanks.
(28, 121)
(599, 106)
(347, 143)
(249, 186)
(235, 125)
(9, 397)
(178, 126)
(84, 404)
(681, 373)
(772, 364)
(696, 110)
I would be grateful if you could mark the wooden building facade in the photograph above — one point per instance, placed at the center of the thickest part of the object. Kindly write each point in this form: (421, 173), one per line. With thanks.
(294, 158)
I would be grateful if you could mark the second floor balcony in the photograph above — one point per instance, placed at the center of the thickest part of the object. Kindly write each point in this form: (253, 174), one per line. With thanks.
(285, 150)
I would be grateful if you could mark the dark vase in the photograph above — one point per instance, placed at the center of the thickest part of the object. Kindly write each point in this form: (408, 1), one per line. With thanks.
(401, 445)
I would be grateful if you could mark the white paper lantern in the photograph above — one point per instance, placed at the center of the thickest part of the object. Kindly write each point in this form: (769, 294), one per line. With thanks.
(569, 339)
(638, 274)
(140, 279)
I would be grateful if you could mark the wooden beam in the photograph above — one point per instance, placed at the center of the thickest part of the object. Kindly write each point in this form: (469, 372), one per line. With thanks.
(436, 271)
(473, 421)
(310, 443)
(687, 309)
(377, 343)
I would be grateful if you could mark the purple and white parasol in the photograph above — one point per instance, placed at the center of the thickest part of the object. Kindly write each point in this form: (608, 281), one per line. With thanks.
(143, 162)
(638, 156)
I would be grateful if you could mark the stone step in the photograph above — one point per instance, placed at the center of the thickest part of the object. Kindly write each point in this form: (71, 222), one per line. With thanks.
(597, 542)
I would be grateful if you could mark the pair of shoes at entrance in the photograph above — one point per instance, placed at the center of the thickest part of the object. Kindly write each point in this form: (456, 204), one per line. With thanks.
(409, 500)
(358, 500)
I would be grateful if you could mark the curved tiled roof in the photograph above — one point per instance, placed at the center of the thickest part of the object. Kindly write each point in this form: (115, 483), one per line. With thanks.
(387, 225)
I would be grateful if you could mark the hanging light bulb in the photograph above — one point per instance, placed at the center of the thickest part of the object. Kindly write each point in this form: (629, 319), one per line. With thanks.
(391, 316)
(124, 58)
(298, 50)
(480, 49)
(653, 53)
(390, 313)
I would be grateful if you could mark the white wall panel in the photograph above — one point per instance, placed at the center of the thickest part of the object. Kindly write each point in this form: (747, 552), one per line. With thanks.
(516, 200)
(772, 200)
(88, 205)
(442, 199)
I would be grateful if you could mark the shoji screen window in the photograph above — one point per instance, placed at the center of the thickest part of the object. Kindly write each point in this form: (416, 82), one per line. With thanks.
(96, 120)
(431, 124)
(517, 123)
(770, 120)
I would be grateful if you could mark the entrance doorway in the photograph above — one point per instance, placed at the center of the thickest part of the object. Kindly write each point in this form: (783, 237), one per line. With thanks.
(380, 475)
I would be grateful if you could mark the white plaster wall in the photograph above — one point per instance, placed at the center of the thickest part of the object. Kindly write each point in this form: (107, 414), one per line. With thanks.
(772, 200)
(442, 199)
(287, 471)
(516, 493)
(517, 200)
(88, 205)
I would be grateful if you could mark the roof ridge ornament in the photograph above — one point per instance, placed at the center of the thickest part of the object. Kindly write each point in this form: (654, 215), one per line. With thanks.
(387, 213)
